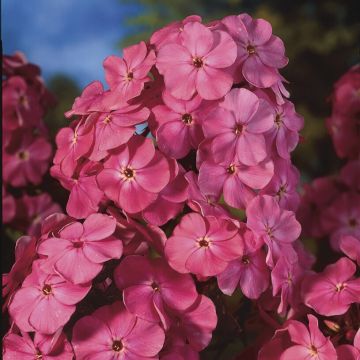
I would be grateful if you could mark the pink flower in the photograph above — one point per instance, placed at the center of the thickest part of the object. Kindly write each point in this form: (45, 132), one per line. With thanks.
(26, 160)
(235, 180)
(332, 291)
(278, 227)
(283, 185)
(45, 301)
(126, 76)
(111, 332)
(201, 201)
(237, 127)
(150, 287)
(25, 253)
(8, 206)
(44, 347)
(81, 249)
(196, 324)
(199, 59)
(349, 352)
(309, 343)
(34, 209)
(249, 272)
(179, 128)
(134, 174)
(203, 245)
(259, 53)
(350, 246)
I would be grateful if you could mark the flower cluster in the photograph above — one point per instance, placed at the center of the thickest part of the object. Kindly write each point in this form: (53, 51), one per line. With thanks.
(25, 147)
(182, 192)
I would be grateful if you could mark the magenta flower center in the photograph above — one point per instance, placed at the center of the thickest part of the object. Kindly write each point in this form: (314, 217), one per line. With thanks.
(107, 119)
(155, 286)
(245, 260)
(204, 242)
(129, 76)
(78, 244)
(23, 100)
(38, 355)
(238, 129)
(23, 155)
(313, 350)
(281, 191)
(250, 49)
(187, 119)
(128, 173)
(278, 120)
(117, 345)
(197, 62)
(231, 169)
(46, 290)
(339, 287)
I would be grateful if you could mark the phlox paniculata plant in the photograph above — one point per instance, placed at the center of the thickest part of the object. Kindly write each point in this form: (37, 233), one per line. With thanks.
(180, 221)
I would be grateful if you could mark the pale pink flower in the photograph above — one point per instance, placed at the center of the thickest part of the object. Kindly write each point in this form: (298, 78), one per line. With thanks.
(26, 160)
(134, 174)
(45, 301)
(126, 76)
(44, 347)
(249, 271)
(200, 61)
(332, 291)
(259, 53)
(309, 343)
(80, 250)
(203, 245)
(278, 227)
(151, 286)
(111, 332)
(237, 127)
(179, 128)
(236, 181)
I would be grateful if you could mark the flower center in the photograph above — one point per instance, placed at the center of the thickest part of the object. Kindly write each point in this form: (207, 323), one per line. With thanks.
(339, 287)
(238, 129)
(268, 230)
(313, 350)
(23, 155)
(23, 100)
(155, 286)
(107, 119)
(128, 173)
(353, 222)
(278, 120)
(38, 355)
(250, 49)
(204, 242)
(245, 260)
(197, 62)
(78, 244)
(281, 191)
(117, 345)
(231, 169)
(187, 119)
(129, 76)
(46, 290)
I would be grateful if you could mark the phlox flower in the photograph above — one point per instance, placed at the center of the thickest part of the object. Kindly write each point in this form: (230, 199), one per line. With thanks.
(126, 76)
(81, 249)
(309, 344)
(111, 332)
(134, 174)
(332, 291)
(278, 227)
(151, 286)
(350, 352)
(259, 53)
(249, 271)
(44, 347)
(236, 181)
(179, 128)
(198, 63)
(237, 127)
(8, 206)
(203, 245)
(45, 301)
(350, 246)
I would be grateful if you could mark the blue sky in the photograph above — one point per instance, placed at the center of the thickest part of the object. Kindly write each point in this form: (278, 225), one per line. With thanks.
(67, 36)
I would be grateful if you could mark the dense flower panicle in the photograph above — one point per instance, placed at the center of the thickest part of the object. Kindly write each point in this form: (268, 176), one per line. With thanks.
(111, 332)
(332, 291)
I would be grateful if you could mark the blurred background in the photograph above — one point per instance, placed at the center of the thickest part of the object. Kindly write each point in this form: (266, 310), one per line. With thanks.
(69, 40)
